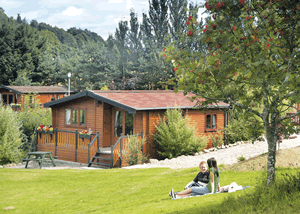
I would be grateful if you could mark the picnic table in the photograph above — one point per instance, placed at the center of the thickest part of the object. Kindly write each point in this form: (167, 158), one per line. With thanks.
(38, 157)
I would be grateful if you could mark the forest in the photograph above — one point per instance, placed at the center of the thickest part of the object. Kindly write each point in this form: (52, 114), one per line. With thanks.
(33, 53)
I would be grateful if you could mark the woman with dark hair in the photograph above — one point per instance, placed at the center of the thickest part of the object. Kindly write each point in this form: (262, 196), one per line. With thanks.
(211, 187)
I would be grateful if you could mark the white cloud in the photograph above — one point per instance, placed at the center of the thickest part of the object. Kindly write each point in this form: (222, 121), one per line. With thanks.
(30, 15)
(10, 3)
(72, 11)
(129, 4)
(115, 1)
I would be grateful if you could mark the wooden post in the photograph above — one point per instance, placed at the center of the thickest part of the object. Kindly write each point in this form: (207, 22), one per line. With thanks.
(56, 130)
(112, 157)
(76, 145)
(89, 152)
(37, 139)
(97, 145)
(97, 141)
(142, 137)
(121, 146)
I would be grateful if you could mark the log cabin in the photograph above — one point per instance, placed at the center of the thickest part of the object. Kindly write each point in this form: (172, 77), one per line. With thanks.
(112, 114)
(13, 95)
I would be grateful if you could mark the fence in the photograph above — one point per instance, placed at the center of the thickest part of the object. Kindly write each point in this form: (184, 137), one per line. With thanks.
(119, 147)
(68, 145)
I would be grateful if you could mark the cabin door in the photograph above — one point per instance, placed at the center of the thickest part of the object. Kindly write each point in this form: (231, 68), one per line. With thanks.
(107, 125)
(122, 124)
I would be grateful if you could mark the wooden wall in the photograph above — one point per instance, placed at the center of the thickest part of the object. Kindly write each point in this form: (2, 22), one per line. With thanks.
(196, 118)
(94, 116)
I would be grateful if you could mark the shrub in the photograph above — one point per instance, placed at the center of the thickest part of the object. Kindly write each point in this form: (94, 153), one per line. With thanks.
(32, 115)
(241, 158)
(216, 139)
(174, 137)
(132, 153)
(242, 127)
(10, 135)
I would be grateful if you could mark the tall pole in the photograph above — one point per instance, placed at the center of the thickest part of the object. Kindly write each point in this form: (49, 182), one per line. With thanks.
(69, 77)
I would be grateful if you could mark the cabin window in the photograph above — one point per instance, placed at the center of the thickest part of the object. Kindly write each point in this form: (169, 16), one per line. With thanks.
(57, 97)
(10, 98)
(118, 123)
(75, 117)
(211, 121)
(68, 117)
(16, 101)
(4, 99)
(128, 123)
(82, 117)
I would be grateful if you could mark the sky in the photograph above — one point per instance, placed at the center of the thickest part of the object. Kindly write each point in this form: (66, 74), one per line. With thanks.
(99, 16)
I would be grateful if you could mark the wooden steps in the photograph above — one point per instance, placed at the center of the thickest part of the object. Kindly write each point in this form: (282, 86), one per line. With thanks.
(101, 159)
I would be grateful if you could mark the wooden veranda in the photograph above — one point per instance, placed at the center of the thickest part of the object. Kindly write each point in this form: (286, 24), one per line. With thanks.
(75, 147)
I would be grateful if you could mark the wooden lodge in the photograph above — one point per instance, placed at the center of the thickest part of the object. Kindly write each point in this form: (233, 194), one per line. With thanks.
(111, 116)
(13, 95)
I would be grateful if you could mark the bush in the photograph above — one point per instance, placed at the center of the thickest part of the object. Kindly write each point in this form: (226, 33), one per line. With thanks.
(10, 136)
(174, 137)
(133, 151)
(32, 115)
(242, 127)
(241, 158)
(216, 139)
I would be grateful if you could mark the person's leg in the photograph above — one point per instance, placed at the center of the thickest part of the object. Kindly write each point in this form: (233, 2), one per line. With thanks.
(200, 190)
(184, 193)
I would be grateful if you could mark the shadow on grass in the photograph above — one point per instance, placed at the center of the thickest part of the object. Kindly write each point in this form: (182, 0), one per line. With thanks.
(281, 197)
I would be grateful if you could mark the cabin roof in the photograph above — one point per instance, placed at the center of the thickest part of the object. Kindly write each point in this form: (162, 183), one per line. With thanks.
(139, 99)
(37, 89)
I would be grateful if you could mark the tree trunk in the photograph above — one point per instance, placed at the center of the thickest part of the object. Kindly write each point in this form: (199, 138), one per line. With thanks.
(271, 139)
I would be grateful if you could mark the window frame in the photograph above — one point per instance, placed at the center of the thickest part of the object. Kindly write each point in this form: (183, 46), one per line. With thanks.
(211, 122)
(78, 118)
(115, 134)
(126, 127)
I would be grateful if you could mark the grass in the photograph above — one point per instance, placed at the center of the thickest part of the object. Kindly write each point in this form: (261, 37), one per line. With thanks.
(241, 158)
(139, 191)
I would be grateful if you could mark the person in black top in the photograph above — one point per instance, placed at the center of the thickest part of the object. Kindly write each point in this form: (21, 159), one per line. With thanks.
(202, 177)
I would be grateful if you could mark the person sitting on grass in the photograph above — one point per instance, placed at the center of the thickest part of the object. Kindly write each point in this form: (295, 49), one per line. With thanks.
(211, 187)
(202, 178)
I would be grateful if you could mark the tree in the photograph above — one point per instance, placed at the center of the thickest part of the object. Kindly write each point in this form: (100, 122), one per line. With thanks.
(177, 17)
(120, 47)
(134, 40)
(250, 61)
(11, 135)
(158, 17)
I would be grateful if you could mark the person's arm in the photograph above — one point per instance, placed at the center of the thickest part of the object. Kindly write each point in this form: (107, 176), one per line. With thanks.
(219, 188)
(212, 182)
(187, 186)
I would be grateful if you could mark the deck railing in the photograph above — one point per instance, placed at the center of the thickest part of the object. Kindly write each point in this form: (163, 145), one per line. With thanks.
(69, 145)
(119, 147)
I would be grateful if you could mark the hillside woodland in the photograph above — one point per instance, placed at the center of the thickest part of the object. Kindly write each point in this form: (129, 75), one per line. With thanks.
(33, 53)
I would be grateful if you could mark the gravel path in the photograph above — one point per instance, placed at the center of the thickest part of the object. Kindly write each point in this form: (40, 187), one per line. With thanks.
(223, 156)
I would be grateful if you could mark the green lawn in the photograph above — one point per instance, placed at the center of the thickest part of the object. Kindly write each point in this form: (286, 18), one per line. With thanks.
(114, 191)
